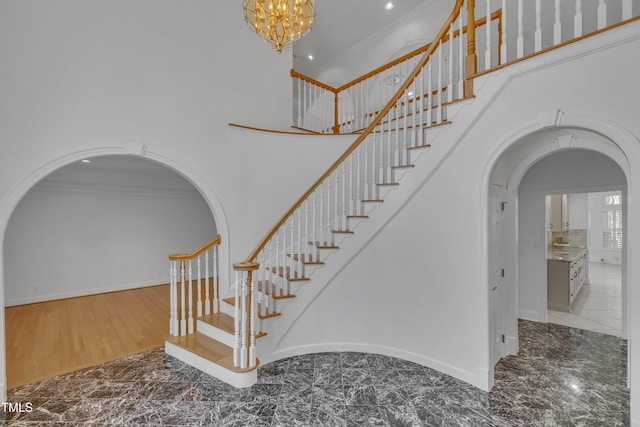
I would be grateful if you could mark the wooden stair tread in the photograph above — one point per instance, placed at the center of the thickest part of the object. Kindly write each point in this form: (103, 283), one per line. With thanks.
(208, 348)
(402, 166)
(388, 184)
(320, 245)
(302, 258)
(342, 231)
(220, 321)
(285, 273)
(273, 291)
(372, 201)
(357, 216)
(232, 301)
(417, 147)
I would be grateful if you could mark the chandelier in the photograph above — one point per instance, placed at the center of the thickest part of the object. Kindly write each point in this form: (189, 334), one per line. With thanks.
(279, 22)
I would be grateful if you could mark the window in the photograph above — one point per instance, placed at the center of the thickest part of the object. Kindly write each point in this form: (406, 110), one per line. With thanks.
(612, 221)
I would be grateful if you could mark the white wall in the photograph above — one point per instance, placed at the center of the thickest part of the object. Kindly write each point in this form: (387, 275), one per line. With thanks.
(578, 210)
(418, 287)
(71, 240)
(407, 33)
(158, 79)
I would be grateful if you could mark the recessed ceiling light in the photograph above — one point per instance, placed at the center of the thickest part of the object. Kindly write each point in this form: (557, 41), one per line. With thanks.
(310, 57)
(389, 6)
(86, 161)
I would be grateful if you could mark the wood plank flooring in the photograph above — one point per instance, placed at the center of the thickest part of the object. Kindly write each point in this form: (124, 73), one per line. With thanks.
(55, 337)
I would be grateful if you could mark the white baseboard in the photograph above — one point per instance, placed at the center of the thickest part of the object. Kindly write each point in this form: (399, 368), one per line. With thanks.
(10, 302)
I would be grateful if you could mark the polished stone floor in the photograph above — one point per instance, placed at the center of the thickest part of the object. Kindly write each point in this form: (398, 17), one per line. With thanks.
(561, 377)
(598, 306)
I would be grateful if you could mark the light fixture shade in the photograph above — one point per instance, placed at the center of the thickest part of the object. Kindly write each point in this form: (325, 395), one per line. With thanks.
(279, 22)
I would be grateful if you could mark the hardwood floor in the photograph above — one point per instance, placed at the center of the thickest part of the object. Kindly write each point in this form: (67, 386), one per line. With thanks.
(55, 337)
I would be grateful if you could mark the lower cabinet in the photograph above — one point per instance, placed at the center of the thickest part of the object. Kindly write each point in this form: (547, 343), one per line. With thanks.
(564, 281)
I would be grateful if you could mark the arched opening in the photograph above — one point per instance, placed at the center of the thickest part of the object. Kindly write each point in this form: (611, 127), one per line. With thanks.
(551, 161)
(108, 224)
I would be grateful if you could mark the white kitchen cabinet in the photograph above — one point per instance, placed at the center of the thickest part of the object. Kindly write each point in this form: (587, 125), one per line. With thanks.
(565, 276)
(558, 212)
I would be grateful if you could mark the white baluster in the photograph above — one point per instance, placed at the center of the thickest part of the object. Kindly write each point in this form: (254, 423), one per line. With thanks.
(337, 224)
(272, 280)
(503, 45)
(313, 226)
(216, 281)
(347, 186)
(237, 322)
(461, 52)
(244, 321)
(300, 89)
(487, 52)
(358, 178)
(299, 250)
(439, 88)
(190, 324)
(173, 297)
(321, 219)
(538, 33)
(183, 302)
(207, 283)
(199, 304)
(429, 108)
(520, 40)
(267, 287)
(626, 10)
(557, 25)
(451, 64)
(282, 262)
(329, 211)
(304, 244)
(356, 202)
(577, 20)
(290, 251)
(254, 310)
(602, 14)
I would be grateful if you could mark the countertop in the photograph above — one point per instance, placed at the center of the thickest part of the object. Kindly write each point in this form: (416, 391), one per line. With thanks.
(564, 253)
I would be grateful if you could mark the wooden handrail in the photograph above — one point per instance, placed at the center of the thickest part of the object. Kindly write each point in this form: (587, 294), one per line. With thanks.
(176, 257)
(443, 31)
(311, 80)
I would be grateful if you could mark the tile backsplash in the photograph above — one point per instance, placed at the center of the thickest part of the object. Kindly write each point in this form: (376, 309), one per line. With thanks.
(575, 237)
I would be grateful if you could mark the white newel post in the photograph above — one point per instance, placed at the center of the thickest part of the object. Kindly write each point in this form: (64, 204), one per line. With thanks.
(246, 309)
(183, 317)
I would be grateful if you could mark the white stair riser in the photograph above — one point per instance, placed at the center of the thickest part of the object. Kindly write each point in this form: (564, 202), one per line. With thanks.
(216, 333)
(236, 379)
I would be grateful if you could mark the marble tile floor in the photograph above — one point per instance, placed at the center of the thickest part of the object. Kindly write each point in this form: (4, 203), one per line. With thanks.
(561, 377)
(598, 306)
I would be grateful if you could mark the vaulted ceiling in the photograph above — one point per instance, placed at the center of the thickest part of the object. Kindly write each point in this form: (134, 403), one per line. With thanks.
(340, 24)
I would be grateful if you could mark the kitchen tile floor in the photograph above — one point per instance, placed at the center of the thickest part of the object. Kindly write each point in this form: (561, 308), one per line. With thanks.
(561, 377)
(598, 305)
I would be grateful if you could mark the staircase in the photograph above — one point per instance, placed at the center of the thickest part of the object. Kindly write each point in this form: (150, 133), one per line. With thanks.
(221, 335)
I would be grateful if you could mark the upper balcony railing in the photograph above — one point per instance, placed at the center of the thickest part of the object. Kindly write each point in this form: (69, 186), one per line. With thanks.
(507, 31)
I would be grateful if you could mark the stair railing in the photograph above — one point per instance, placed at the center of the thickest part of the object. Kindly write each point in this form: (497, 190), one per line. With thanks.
(353, 182)
(193, 281)
(350, 108)
(532, 27)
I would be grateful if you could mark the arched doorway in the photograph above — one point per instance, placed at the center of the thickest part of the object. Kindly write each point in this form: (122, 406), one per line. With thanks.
(132, 153)
(552, 160)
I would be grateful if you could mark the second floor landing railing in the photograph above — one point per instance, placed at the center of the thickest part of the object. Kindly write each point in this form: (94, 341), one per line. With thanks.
(506, 31)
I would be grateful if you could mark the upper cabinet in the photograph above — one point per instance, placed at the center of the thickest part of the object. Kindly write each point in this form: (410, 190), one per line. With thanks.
(558, 212)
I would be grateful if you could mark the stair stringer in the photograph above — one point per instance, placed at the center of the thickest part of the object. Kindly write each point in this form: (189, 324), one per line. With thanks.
(444, 141)
(489, 89)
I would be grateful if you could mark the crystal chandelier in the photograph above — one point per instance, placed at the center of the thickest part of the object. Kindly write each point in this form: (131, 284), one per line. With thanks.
(279, 22)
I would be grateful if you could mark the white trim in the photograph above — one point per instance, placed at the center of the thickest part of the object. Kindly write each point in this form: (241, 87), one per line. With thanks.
(84, 292)
(475, 379)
